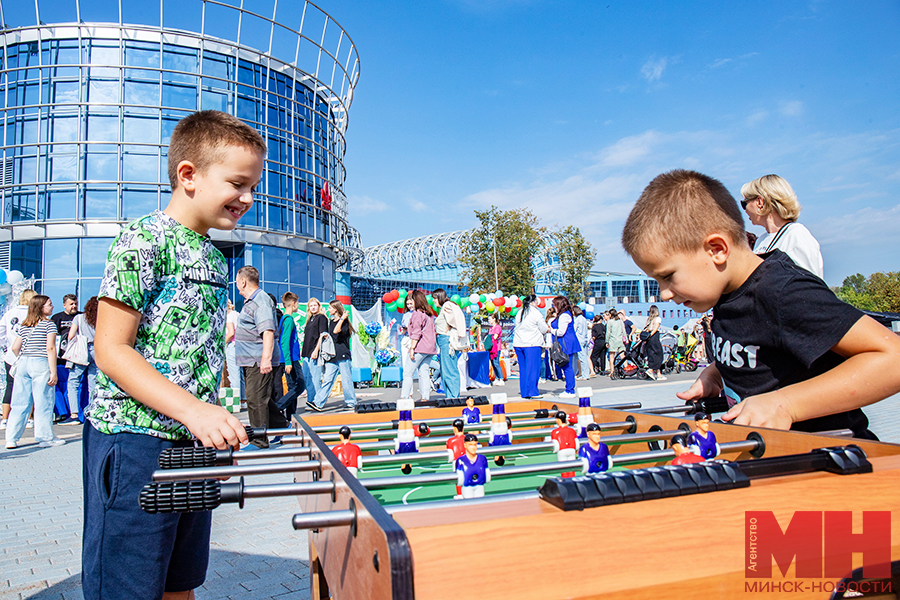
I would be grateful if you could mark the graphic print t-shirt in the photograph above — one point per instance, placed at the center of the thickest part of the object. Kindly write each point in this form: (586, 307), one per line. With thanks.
(177, 280)
(778, 329)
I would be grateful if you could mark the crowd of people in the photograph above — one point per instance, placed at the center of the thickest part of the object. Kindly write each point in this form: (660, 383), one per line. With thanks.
(49, 363)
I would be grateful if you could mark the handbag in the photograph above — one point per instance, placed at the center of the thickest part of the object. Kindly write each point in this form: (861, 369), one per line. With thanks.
(326, 351)
(14, 368)
(558, 353)
(488, 343)
(77, 350)
(645, 335)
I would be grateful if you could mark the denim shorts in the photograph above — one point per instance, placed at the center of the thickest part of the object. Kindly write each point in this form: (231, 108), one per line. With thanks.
(126, 552)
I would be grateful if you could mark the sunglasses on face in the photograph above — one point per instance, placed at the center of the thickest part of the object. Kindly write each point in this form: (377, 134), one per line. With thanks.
(746, 201)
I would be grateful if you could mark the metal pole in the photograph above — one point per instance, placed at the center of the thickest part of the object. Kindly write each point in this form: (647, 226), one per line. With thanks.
(235, 470)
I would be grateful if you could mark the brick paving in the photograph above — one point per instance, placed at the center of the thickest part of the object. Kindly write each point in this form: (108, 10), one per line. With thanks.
(255, 553)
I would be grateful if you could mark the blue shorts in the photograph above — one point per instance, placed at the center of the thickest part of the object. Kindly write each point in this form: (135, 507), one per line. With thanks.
(406, 448)
(126, 552)
(501, 440)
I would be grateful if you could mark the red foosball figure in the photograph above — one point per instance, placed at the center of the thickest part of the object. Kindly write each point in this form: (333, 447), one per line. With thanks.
(349, 454)
(456, 445)
(683, 455)
(564, 439)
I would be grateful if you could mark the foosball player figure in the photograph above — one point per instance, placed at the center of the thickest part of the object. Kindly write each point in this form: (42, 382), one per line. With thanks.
(406, 441)
(683, 455)
(594, 454)
(349, 454)
(565, 441)
(585, 416)
(472, 471)
(471, 413)
(456, 445)
(499, 434)
(702, 441)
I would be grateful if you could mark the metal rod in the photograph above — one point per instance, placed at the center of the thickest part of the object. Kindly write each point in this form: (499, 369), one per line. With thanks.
(235, 470)
(436, 504)
(271, 453)
(378, 483)
(449, 420)
(635, 458)
(288, 489)
(665, 410)
(320, 520)
(837, 433)
(441, 456)
(389, 434)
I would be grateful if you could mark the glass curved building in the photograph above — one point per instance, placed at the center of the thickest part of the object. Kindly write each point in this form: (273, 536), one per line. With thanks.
(88, 103)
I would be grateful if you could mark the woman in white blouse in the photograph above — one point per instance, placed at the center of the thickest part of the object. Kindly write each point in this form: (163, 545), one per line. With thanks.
(770, 202)
(528, 338)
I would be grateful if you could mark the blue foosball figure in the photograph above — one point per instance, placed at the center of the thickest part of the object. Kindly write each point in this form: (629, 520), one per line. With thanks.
(594, 454)
(472, 472)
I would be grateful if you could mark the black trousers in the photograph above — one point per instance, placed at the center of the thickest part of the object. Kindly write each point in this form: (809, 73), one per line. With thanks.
(598, 356)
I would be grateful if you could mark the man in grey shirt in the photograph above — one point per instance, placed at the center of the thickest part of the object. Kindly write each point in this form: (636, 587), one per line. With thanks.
(254, 346)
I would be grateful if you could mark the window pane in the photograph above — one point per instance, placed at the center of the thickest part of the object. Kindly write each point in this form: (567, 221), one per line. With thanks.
(62, 204)
(93, 256)
(140, 129)
(179, 96)
(100, 204)
(144, 94)
(61, 258)
(102, 167)
(88, 288)
(275, 264)
(137, 203)
(63, 167)
(26, 257)
(103, 91)
(103, 128)
(316, 278)
(139, 167)
(57, 288)
(299, 268)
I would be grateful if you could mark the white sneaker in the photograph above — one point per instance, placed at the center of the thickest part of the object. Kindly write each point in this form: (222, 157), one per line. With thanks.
(567, 395)
(2, 424)
(29, 424)
(11, 445)
(499, 382)
(51, 443)
(661, 378)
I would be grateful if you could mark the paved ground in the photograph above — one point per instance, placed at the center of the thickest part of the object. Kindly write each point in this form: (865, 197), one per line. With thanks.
(255, 552)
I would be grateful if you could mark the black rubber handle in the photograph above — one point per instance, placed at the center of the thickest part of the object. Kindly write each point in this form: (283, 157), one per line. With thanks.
(189, 496)
(255, 433)
(194, 458)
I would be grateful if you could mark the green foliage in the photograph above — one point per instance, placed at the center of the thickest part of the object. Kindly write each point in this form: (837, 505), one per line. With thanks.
(880, 292)
(516, 237)
(576, 257)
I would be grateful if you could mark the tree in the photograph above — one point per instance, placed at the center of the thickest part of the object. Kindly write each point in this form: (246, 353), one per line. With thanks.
(880, 292)
(515, 237)
(576, 257)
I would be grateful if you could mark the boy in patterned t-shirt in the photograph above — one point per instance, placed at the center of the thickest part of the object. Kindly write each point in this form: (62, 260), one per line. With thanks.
(160, 344)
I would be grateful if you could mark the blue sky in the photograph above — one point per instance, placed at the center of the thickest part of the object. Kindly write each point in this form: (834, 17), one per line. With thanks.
(571, 108)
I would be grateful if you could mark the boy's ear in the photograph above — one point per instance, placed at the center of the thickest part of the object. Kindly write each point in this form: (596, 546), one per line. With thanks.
(185, 171)
(718, 247)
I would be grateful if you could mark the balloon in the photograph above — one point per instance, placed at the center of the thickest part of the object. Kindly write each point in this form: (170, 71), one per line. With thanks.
(395, 295)
(2, 276)
(498, 292)
(482, 299)
(455, 298)
(5, 289)
(473, 298)
(498, 301)
(14, 277)
(514, 312)
(386, 298)
(518, 303)
(541, 303)
(588, 314)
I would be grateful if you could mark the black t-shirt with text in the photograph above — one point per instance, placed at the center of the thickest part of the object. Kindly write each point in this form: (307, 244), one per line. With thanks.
(778, 329)
(63, 324)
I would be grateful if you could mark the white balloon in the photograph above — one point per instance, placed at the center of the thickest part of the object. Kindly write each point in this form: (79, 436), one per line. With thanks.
(14, 277)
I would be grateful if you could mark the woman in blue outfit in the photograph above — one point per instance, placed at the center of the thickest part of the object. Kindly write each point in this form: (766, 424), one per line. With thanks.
(563, 330)
(340, 330)
(528, 337)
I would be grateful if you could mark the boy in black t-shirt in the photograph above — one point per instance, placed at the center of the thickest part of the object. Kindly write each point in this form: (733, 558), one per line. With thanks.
(786, 351)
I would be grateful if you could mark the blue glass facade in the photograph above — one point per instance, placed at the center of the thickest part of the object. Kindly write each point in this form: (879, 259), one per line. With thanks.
(87, 111)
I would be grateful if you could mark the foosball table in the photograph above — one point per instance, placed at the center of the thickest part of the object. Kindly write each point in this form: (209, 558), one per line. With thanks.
(397, 528)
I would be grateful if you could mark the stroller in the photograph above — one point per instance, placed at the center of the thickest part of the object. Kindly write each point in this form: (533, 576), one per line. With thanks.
(630, 363)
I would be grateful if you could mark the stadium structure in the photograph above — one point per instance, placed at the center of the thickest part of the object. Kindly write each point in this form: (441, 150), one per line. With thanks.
(92, 92)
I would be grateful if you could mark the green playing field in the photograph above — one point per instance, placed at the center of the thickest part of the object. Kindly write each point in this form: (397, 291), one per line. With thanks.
(445, 490)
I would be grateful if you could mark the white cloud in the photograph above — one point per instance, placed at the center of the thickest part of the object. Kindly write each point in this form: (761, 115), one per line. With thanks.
(418, 206)
(869, 226)
(757, 117)
(790, 108)
(653, 68)
(629, 150)
(364, 205)
(720, 63)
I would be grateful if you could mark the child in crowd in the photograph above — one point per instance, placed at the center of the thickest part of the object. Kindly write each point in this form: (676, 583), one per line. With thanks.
(785, 350)
(160, 344)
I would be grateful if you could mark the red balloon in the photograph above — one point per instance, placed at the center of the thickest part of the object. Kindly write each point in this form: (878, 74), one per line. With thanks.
(541, 303)
(386, 298)
(394, 294)
(518, 303)
(498, 301)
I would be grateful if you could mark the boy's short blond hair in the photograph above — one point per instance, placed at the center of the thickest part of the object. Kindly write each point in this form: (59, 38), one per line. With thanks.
(677, 211)
(777, 195)
(202, 137)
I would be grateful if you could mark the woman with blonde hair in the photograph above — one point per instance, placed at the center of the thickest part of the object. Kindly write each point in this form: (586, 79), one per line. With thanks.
(653, 348)
(35, 379)
(316, 325)
(770, 202)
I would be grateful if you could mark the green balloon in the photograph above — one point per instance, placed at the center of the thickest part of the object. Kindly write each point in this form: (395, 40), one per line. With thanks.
(455, 298)
(514, 312)
(482, 298)
(402, 293)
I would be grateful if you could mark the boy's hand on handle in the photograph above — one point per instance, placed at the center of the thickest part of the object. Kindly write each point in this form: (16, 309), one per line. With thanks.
(214, 426)
(766, 410)
(707, 385)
